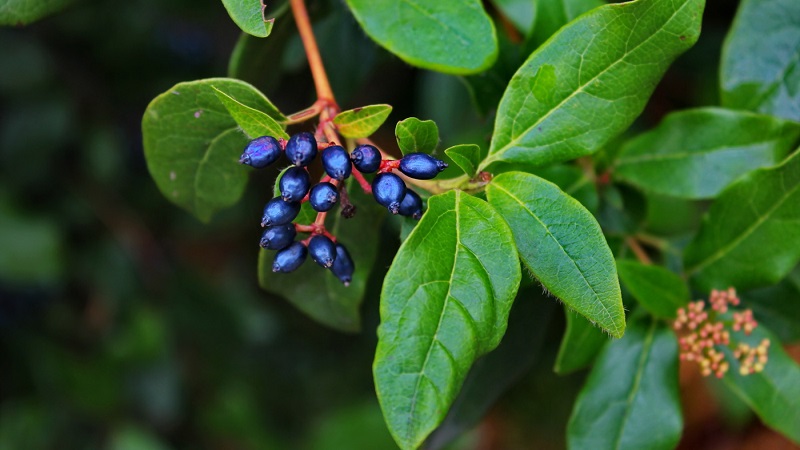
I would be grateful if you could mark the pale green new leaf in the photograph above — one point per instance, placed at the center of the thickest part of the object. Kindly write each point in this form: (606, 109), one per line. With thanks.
(23, 12)
(249, 16)
(361, 122)
(252, 121)
(466, 156)
(414, 135)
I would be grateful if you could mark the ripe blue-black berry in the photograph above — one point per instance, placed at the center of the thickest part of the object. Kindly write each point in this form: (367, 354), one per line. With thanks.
(261, 152)
(343, 266)
(323, 196)
(301, 149)
(366, 158)
(322, 250)
(278, 212)
(294, 184)
(290, 258)
(421, 166)
(336, 162)
(389, 190)
(278, 237)
(411, 205)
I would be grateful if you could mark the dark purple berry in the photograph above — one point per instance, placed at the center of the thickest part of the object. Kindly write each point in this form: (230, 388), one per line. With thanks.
(323, 196)
(278, 237)
(294, 184)
(366, 158)
(322, 250)
(421, 166)
(389, 190)
(290, 258)
(343, 266)
(278, 212)
(261, 152)
(411, 205)
(301, 149)
(336, 162)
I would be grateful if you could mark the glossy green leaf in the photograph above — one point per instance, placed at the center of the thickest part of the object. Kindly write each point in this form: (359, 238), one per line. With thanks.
(361, 122)
(252, 121)
(192, 144)
(709, 148)
(554, 14)
(774, 393)
(521, 13)
(631, 399)
(749, 236)
(573, 181)
(249, 15)
(658, 290)
(23, 12)
(414, 135)
(778, 307)
(562, 244)
(760, 67)
(590, 80)
(451, 36)
(445, 302)
(580, 345)
(466, 156)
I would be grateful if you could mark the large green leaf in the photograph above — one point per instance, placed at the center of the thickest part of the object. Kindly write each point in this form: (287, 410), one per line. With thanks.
(562, 244)
(708, 147)
(760, 67)
(521, 13)
(445, 302)
(23, 12)
(590, 80)
(778, 307)
(554, 14)
(658, 290)
(451, 36)
(581, 343)
(192, 144)
(249, 16)
(631, 399)
(750, 236)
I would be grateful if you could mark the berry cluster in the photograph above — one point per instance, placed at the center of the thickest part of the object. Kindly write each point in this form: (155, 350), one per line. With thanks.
(295, 188)
(704, 330)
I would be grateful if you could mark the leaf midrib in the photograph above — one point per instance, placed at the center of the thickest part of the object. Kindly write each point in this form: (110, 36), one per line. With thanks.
(703, 152)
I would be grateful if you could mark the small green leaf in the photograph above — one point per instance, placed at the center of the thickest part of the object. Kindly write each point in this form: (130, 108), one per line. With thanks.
(554, 14)
(249, 16)
(658, 290)
(709, 147)
(445, 302)
(252, 121)
(361, 122)
(580, 345)
(24, 12)
(748, 238)
(562, 244)
(631, 399)
(466, 156)
(760, 67)
(590, 80)
(450, 36)
(521, 13)
(414, 135)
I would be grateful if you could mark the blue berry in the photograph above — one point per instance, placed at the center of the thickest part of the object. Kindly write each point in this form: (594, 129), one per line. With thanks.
(290, 258)
(294, 184)
(322, 250)
(336, 162)
(323, 196)
(278, 237)
(411, 205)
(261, 152)
(389, 190)
(421, 166)
(301, 149)
(343, 266)
(366, 158)
(279, 212)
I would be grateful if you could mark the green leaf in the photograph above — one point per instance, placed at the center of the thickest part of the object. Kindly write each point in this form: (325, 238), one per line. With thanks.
(414, 135)
(760, 67)
(749, 236)
(445, 302)
(590, 80)
(573, 181)
(554, 14)
(562, 244)
(774, 393)
(631, 399)
(192, 144)
(33, 248)
(24, 12)
(249, 15)
(778, 307)
(450, 36)
(361, 122)
(466, 156)
(252, 121)
(580, 345)
(708, 147)
(521, 13)
(658, 290)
